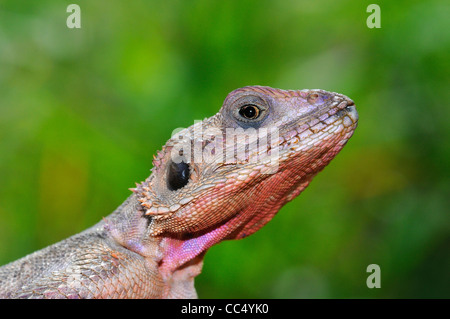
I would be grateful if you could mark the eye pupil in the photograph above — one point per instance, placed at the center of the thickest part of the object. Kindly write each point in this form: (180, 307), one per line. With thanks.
(249, 111)
(177, 175)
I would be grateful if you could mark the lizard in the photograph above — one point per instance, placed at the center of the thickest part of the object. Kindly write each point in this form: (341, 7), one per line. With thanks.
(152, 246)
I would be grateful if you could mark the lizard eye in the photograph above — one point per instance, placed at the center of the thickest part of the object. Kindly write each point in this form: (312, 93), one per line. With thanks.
(177, 175)
(249, 111)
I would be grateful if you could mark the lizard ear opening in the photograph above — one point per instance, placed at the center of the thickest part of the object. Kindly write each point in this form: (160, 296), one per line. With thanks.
(178, 175)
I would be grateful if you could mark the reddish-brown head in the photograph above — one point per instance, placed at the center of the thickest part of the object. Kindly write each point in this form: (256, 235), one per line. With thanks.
(228, 175)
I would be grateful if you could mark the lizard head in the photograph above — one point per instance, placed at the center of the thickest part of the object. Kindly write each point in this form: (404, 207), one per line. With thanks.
(228, 175)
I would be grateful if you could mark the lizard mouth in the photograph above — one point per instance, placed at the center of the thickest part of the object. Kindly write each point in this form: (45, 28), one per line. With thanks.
(318, 127)
(349, 110)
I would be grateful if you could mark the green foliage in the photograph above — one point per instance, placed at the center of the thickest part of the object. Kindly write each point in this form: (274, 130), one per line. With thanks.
(83, 110)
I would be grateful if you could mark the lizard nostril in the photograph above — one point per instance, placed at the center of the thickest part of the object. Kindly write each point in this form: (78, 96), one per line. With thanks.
(312, 98)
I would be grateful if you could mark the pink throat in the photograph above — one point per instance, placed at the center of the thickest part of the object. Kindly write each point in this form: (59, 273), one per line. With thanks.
(178, 251)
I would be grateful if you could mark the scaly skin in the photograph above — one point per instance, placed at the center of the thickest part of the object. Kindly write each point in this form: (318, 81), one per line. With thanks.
(153, 245)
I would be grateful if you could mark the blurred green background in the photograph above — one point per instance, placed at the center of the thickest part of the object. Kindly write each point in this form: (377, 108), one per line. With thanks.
(83, 110)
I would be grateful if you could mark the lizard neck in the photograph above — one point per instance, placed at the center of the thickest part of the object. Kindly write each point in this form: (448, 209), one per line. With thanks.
(129, 227)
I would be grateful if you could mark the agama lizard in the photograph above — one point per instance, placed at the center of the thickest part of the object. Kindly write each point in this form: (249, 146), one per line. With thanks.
(222, 178)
